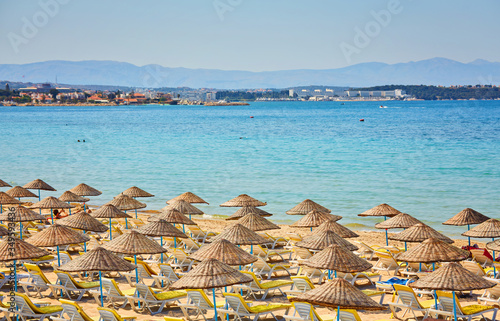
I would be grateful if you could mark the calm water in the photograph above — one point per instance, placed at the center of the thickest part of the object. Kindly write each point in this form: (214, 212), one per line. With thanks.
(429, 159)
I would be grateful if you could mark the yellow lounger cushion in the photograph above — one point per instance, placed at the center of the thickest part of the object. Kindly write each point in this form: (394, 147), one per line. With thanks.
(427, 303)
(87, 285)
(170, 295)
(372, 292)
(50, 309)
(277, 283)
(43, 258)
(270, 307)
(475, 308)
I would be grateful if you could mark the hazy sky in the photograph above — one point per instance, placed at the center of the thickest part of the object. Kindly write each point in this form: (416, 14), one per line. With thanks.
(249, 34)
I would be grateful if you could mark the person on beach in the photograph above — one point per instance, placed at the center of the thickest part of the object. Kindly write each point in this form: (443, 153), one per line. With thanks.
(59, 214)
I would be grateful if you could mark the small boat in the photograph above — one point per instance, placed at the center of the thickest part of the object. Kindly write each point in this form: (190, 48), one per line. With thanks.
(381, 106)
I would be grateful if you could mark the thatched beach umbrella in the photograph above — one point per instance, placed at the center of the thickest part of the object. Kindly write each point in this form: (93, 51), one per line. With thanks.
(20, 192)
(184, 207)
(6, 199)
(21, 214)
(161, 228)
(109, 211)
(339, 294)
(124, 202)
(419, 233)
(98, 259)
(4, 184)
(85, 190)
(247, 210)
(133, 243)
(136, 192)
(57, 235)
(15, 249)
(51, 203)
(39, 185)
(256, 223)
(319, 241)
(340, 230)
(314, 219)
(488, 229)
(402, 220)
(172, 216)
(305, 207)
(190, 198)
(72, 197)
(452, 277)
(335, 257)
(433, 250)
(239, 235)
(224, 251)
(210, 274)
(243, 200)
(384, 210)
(83, 221)
(467, 217)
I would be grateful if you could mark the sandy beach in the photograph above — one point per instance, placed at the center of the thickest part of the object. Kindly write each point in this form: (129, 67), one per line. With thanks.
(217, 225)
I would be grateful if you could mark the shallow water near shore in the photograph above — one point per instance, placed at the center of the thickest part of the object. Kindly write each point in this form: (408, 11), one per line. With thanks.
(428, 159)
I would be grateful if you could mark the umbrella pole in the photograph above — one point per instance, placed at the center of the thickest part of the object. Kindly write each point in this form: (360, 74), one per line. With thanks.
(435, 300)
(161, 256)
(84, 245)
(338, 313)
(15, 275)
(215, 304)
(135, 213)
(58, 257)
(39, 198)
(494, 268)
(454, 306)
(406, 248)
(468, 229)
(52, 216)
(251, 248)
(136, 276)
(69, 209)
(84, 207)
(21, 232)
(183, 231)
(100, 283)
(386, 235)
(335, 273)
(126, 222)
(329, 274)
(110, 232)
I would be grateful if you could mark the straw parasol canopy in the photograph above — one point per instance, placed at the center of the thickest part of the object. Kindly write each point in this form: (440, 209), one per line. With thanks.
(4, 184)
(402, 220)
(85, 190)
(17, 249)
(109, 211)
(39, 185)
(172, 216)
(161, 228)
(183, 207)
(98, 259)
(419, 233)
(190, 198)
(255, 222)
(467, 216)
(51, 202)
(340, 230)
(210, 274)
(224, 251)
(56, 235)
(243, 200)
(313, 219)
(338, 293)
(433, 250)
(133, 243)
(487, 229)
(125, 203)
(22, 214)
(3, 231)
(335, 257)
(72, 197)
(6, 199)
(247, 210)
(18, 192)
(239, 235)
(305, 207)
(494, 245)
(83, 221)
(452, 277)
(319, 241)
(381, 210)
(135, 191)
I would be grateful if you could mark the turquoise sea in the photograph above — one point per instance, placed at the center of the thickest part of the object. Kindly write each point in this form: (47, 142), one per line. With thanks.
(428, 159)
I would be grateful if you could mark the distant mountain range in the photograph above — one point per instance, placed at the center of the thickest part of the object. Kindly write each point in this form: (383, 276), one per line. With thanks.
(436, 71)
